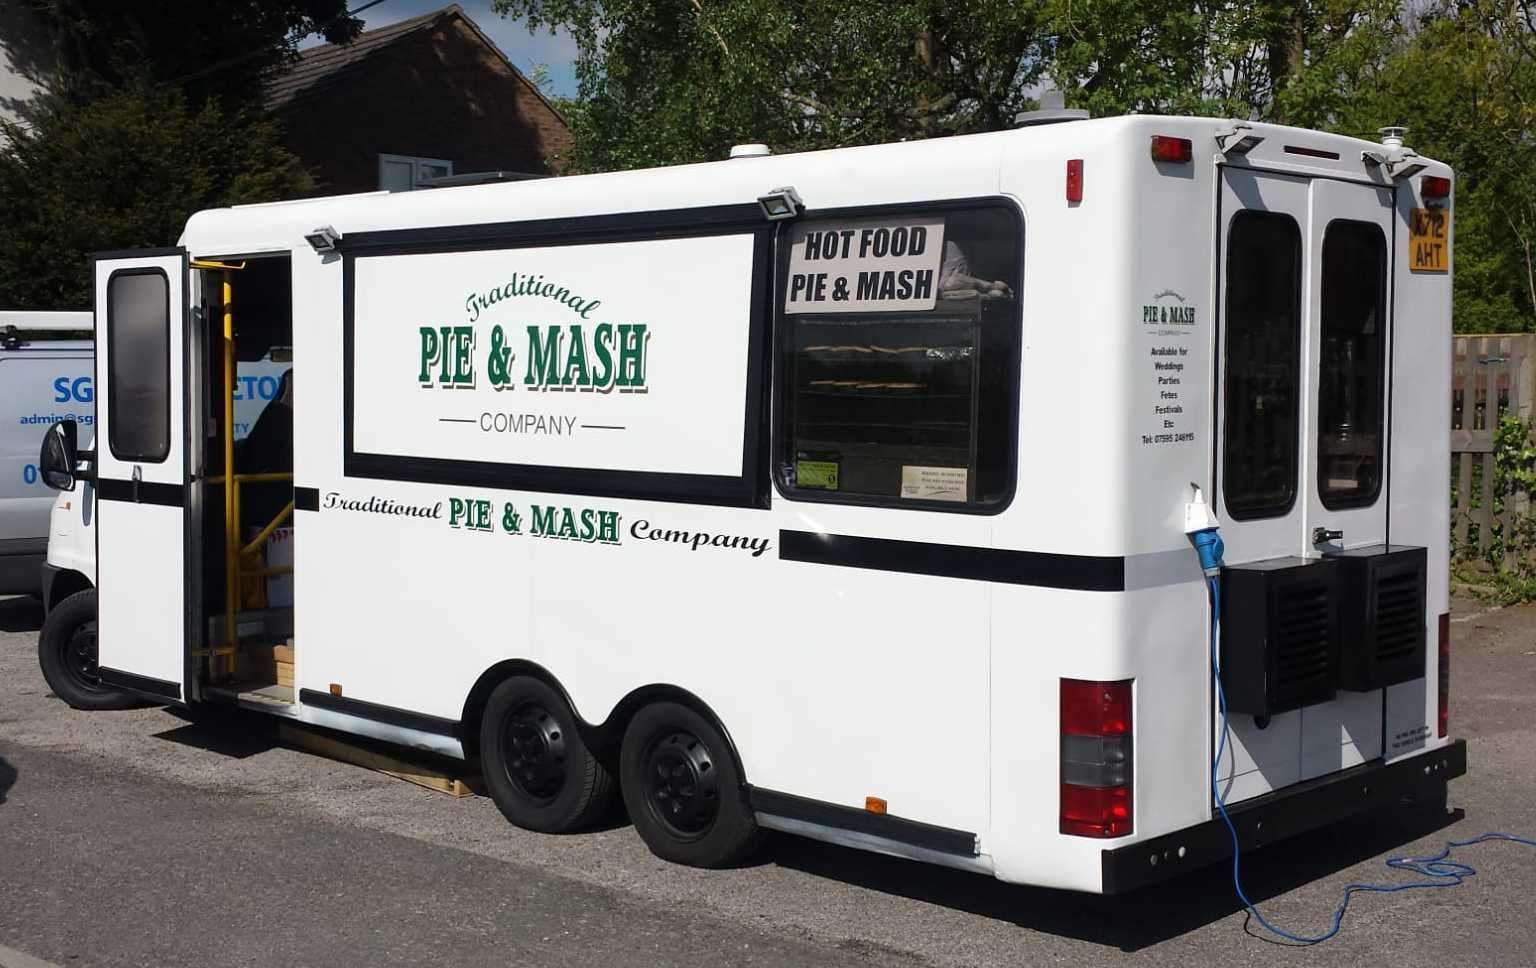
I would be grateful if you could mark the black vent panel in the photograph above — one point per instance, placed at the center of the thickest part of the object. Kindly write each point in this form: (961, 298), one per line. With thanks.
(1279, 634)
(1381, 616)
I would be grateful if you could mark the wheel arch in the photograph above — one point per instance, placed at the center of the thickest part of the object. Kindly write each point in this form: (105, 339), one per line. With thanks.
(66, 582)
(602, 738)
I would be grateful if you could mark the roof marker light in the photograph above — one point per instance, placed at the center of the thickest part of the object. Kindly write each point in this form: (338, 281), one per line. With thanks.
(1176, 150)
(1074, 180)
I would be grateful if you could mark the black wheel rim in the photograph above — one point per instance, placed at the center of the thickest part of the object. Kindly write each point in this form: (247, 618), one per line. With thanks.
(682, 786)
(80, 656)
(534, 752)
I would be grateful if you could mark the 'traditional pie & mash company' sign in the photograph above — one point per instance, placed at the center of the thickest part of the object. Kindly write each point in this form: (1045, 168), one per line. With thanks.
(614, 355)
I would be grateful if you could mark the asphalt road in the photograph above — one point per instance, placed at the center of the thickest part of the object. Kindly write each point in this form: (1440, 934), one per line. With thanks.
(145, 838)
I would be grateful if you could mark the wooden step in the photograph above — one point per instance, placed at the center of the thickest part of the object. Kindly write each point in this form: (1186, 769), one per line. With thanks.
(339, 749)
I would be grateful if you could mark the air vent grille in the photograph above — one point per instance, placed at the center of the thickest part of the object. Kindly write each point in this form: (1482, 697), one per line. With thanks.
(1399, 617)
(1302, 643)
(1381, 617)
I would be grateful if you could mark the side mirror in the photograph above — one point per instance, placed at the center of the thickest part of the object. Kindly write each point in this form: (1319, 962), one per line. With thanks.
(60, 455)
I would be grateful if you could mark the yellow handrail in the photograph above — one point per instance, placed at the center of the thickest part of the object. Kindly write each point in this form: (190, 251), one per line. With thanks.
(254, 545)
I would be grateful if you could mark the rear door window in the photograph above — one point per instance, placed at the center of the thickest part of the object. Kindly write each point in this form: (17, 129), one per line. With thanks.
(1351, 364)
(1261, 371)
(139, 365)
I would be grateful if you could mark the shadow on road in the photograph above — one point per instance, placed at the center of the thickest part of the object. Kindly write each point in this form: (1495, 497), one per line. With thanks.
(234, 733)
(20, 614)
(1139, 919)
(7, 777)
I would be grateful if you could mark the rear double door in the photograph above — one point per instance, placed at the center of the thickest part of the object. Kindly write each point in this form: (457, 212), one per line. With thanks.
(1304, 335)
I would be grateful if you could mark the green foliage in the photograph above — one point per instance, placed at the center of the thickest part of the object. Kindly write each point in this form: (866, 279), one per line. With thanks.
(118, 172)
(1506, 571)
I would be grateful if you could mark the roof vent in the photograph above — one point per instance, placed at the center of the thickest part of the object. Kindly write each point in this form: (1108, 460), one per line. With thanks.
(1028, 119)
(1392, 135)
(1053, 110)
(754, 150)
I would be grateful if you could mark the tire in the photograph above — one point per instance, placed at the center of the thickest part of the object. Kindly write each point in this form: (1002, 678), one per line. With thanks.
(684, 793)
(66, 649)
(535, 764)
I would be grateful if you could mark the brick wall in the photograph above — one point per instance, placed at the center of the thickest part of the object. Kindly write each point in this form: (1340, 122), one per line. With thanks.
(437, 93)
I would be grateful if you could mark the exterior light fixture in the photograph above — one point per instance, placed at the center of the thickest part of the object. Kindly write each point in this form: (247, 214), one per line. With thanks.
(1399, 160)
(323, 239)
(781, 204)
(1233, 140)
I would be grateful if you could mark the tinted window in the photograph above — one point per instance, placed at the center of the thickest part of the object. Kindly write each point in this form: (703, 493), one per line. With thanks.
(1261, 370)
(139, 376)
(909, 399)
(1351, 364)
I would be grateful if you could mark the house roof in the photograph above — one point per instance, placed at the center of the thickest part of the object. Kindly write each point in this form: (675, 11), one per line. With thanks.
(323, 64)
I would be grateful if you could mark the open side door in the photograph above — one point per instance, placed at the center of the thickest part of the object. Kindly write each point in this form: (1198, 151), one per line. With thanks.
(143, 622)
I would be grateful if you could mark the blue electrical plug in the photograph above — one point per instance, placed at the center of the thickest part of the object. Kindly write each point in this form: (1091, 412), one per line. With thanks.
(1204, 532)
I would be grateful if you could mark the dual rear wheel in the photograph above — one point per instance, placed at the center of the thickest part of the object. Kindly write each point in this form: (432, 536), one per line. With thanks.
(679, 781)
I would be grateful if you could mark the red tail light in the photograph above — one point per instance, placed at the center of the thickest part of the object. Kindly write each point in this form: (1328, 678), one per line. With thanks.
(1435, 186)
(1178, 150)
(1075, 180)
(1096, 763)
(1445, 675)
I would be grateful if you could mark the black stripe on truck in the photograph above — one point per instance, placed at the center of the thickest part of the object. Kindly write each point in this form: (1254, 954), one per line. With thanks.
(142, 685)
(141, 492)
(910, 832)
(1079, 572)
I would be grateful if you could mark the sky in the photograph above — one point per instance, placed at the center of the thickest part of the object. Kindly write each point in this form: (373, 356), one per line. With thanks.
(523, 48)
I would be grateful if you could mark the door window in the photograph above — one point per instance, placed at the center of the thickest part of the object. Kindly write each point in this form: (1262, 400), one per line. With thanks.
(1351, 364)
(1261, 371)
(139, 365)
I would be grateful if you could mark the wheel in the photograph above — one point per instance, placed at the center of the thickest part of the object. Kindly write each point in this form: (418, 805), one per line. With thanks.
(535, 764)
(66, 649)
(684, 793)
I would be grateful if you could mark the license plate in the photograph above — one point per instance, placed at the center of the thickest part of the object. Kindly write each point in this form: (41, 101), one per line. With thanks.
(1428, 235)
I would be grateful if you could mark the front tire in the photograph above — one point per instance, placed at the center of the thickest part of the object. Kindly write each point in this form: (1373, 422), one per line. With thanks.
(683, 791)
(66, 650)
(535, 764)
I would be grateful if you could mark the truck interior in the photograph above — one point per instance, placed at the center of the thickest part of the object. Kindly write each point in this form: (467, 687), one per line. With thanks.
(247, 521)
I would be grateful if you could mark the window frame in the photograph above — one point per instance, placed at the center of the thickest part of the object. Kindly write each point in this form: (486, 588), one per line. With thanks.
(1380, 363)
(112, 363)
(1275, 510)
(748, 489)
(780, 341)
(415, 161)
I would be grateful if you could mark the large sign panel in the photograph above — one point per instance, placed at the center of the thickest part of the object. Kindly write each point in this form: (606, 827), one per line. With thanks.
(626, 356)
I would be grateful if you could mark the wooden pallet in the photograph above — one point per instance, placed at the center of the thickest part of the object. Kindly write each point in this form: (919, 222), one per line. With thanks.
(338, 749)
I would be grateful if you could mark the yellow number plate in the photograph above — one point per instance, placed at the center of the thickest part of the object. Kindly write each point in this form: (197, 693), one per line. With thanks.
(1429, 232)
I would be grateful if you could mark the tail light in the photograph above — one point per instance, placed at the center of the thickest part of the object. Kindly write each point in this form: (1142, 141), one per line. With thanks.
(1177, 150)
(1435, 186)
(1096, 763)
(1444, 717)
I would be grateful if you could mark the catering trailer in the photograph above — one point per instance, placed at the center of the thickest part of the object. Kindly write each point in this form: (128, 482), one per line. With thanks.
(849, 493)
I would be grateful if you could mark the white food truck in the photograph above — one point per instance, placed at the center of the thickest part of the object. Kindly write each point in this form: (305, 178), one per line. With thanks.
(846, 493)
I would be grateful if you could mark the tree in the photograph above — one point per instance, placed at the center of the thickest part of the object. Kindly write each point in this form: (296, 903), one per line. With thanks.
(219, 50)
(122, 171)
(682, 80)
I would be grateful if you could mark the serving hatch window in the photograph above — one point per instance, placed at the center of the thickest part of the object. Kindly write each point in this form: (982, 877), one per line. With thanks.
(898, 358)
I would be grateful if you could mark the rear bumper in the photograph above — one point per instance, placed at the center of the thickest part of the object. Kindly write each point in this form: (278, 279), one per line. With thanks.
(1284, 813)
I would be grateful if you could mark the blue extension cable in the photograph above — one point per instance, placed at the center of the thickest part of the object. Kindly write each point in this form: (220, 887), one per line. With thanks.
(1444, 872)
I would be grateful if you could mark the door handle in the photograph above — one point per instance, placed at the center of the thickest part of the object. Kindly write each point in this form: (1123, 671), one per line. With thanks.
(1321, 535)
(138, 475)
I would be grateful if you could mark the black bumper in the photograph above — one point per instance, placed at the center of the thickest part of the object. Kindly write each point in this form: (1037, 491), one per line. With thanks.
(1284, 813)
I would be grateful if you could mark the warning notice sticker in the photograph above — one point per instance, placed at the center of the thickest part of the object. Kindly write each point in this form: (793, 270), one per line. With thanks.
(874, 265)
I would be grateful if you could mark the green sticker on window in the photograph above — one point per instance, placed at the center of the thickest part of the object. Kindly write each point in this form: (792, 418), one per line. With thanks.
(816, 473)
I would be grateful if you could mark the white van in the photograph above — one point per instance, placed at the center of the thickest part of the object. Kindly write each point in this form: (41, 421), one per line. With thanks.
(844, 493)
(45, 377)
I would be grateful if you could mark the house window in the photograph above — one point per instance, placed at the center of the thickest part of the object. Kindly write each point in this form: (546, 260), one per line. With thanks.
(898, 358)
(402, 173)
